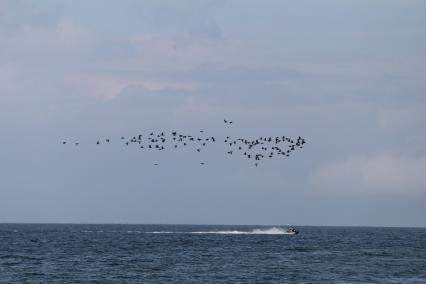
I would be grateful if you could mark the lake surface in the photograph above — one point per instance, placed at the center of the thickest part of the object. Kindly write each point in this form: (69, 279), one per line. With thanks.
(52, 253)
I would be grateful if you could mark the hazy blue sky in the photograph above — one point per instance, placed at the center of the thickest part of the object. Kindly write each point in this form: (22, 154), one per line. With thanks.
(349, 76)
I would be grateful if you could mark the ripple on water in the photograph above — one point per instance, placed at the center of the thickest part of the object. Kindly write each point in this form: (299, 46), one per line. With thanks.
(210, 254)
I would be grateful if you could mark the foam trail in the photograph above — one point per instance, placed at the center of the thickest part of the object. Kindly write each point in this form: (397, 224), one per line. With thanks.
(270, 231)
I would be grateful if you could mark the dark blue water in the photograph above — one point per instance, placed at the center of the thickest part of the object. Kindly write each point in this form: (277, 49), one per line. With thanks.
(209, 254)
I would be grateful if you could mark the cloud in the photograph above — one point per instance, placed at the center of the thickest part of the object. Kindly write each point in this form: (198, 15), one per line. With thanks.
(64, 42)
(163, 53)
(192, 20)
(379, 174)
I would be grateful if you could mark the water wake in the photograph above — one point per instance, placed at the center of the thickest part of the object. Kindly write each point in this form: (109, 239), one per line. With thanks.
(269, 231)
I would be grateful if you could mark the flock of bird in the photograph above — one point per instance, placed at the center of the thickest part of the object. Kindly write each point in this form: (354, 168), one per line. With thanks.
(252, 149)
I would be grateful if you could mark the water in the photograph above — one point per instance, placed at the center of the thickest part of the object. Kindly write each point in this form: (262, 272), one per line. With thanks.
(48, 253)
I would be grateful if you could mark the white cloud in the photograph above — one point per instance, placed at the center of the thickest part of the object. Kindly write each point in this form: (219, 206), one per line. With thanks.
(105, 87)
(64, 39)
(384, 174)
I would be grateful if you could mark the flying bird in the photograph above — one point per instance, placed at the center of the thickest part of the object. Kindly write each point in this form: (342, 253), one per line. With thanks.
(271, 146)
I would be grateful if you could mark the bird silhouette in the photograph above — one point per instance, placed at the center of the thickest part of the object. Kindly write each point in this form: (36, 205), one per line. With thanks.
(257, 148)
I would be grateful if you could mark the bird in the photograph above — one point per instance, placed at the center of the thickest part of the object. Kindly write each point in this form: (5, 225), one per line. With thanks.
(257, 148)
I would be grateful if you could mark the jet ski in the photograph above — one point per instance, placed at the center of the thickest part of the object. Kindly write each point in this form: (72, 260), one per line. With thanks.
(291, 231)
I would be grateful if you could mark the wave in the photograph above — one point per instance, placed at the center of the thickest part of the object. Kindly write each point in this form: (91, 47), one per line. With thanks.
(260, 231)
(270, 231)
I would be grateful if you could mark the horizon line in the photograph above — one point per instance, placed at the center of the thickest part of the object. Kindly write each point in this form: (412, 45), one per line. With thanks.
(198, 224)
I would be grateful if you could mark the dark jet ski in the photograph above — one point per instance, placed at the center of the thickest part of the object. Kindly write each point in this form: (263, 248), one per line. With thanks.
(291, 231)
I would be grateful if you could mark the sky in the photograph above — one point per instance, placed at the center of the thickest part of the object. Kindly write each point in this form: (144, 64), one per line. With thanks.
(348, 76)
